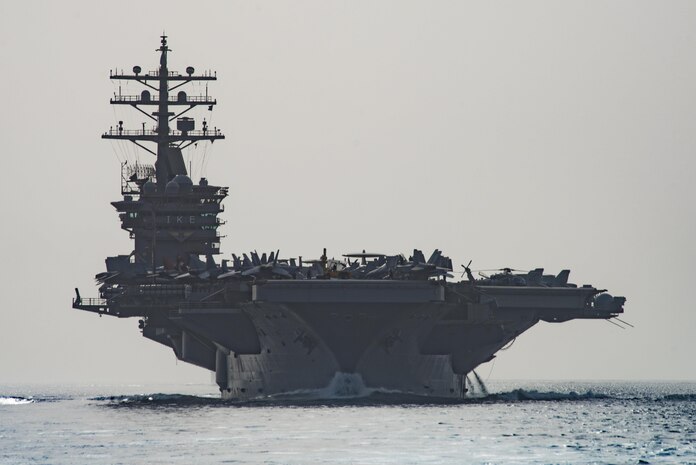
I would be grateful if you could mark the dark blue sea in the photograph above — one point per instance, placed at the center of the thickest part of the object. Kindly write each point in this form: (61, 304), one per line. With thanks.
(515, 422)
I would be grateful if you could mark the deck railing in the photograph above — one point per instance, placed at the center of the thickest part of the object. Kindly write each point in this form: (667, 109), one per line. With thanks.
(155, 98)
(151, 132)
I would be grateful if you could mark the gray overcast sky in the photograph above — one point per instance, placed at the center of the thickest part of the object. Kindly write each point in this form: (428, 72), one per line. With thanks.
(522, 134)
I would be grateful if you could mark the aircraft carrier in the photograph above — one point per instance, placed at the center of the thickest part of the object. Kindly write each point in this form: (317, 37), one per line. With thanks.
(267, 324)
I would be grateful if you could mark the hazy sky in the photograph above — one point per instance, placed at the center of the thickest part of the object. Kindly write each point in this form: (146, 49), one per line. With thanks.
(521, 134)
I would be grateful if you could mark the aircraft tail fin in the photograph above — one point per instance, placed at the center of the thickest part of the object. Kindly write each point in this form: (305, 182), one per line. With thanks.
(562, 278)
(434, 257)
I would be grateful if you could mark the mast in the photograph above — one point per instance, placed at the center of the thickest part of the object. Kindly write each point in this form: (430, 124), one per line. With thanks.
(169, 161)
(163, 116)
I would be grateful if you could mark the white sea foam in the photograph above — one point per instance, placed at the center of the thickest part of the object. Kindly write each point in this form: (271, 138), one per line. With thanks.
(15, 401)
(345, 385)
(341, 386)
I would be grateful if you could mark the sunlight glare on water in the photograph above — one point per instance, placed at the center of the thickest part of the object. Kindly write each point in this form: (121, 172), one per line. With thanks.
(517, 423)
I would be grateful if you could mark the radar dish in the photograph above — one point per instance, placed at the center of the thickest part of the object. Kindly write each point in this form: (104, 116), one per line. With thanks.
(184, 182)
(172, 188)
(149, 187)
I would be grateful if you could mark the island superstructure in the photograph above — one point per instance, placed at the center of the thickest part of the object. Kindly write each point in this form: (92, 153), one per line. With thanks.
(268, 325)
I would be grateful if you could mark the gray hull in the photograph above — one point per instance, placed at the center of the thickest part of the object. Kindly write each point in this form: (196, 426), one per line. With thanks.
(304, 347)
(419, 338)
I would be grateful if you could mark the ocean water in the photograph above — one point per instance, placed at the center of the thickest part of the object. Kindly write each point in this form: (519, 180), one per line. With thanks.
(516, 422)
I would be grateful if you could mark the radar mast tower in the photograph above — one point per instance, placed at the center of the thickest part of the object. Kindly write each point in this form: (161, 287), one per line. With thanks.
(169, 142)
